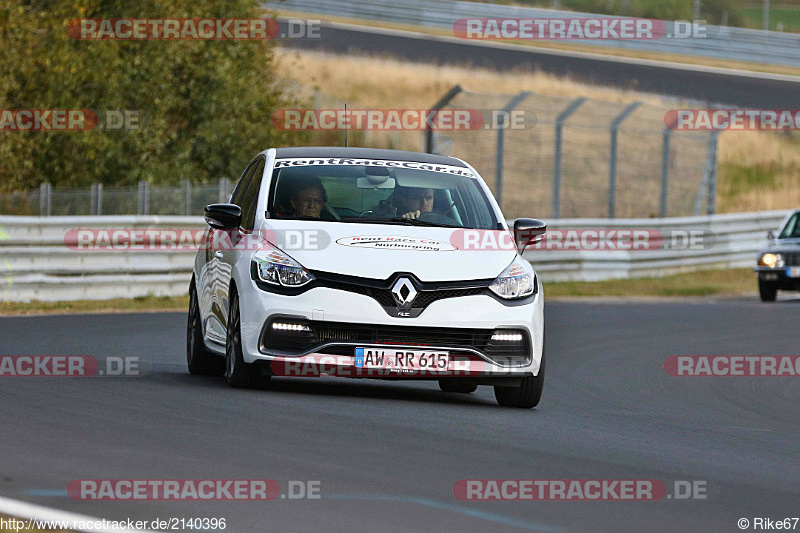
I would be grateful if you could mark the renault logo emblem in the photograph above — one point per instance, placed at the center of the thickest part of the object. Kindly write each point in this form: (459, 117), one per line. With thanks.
(404, 293)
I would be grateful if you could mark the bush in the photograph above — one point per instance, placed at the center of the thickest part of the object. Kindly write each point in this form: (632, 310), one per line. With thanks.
(204, 106)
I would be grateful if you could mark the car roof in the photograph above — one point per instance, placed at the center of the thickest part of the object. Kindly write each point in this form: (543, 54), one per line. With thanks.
(367, 153)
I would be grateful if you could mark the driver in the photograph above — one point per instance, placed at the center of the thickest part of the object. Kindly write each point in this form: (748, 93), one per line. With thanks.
(413, 201)
(308, 197)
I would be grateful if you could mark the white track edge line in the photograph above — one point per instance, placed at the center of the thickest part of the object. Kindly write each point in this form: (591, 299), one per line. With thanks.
(19, 509)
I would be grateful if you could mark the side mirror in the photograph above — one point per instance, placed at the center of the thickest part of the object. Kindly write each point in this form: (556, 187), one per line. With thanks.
(223, 216)
(528, 231)
(771, 235)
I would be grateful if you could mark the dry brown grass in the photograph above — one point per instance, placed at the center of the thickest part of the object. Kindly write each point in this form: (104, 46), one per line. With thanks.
(385, 83)
(758, 171)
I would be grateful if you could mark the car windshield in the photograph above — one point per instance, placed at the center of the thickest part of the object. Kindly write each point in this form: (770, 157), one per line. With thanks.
(792, 228)
(379, 192)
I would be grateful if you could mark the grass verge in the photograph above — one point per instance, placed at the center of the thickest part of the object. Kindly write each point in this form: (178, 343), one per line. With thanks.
(119, 305)
(719, 283)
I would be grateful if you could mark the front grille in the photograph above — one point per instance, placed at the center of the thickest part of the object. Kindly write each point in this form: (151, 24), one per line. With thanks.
(323, 332)
(425, 298)
(385, 298)
(792, 259)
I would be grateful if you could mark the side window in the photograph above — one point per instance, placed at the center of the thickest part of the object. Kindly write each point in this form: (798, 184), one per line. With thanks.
(238, 192)
(249, 197)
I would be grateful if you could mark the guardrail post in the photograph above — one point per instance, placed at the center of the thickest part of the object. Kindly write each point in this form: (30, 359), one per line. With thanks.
(557, 155)
(45, 199)
(501, 128)
(144, 198)
(612, 165)
(187, 186)
(662, 205)
(224, 187)
(443, 101)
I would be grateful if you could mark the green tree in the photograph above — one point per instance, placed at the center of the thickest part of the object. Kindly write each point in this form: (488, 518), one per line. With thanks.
(204, 106)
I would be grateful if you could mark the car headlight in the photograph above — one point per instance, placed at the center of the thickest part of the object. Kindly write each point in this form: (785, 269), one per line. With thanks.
(277, 268)
(772, 260)
(516, 281)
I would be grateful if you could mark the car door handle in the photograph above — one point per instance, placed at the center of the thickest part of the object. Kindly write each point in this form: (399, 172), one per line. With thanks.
(218, 254)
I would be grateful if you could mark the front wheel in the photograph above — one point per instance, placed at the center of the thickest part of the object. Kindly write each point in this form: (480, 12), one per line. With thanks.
(767, 291)
(199, 360)
(526, 395)
(237, 372)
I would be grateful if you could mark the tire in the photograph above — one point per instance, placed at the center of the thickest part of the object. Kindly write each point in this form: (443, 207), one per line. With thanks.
(527, 395)
(455, 385)
(767, 291)
(200, 361)
(237, 372)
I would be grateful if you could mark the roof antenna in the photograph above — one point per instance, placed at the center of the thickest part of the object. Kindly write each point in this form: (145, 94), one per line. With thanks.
(347, 125)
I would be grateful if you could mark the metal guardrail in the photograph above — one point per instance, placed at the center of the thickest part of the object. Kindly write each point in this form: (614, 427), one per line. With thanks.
(721, 42)
(144, 199)
(735, 242)
(38, 265)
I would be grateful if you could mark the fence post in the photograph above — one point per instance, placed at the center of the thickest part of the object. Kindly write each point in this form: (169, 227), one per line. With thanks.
(557, 156)
(224, 186)
(662, 205)
(45, 199)
(93, 199)
(187, 186)
(712, 178)
(144, 198)
(501, 128)
(443, 101)
(99, 199)
(612, 165)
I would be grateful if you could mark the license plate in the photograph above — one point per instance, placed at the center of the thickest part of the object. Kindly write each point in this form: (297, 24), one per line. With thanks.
(793, 272)
(402, 359)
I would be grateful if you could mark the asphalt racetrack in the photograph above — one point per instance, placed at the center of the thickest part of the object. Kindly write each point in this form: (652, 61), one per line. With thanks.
(387, 454)
(756, 90)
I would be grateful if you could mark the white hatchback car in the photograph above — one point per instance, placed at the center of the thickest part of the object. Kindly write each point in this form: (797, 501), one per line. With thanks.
(367, 263)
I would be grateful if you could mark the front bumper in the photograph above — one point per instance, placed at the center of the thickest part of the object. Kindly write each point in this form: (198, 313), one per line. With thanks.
(454, 325)
(780, 277)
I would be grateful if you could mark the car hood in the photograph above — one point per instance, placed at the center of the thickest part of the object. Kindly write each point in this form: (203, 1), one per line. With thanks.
(379, 250)
(783, 246)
